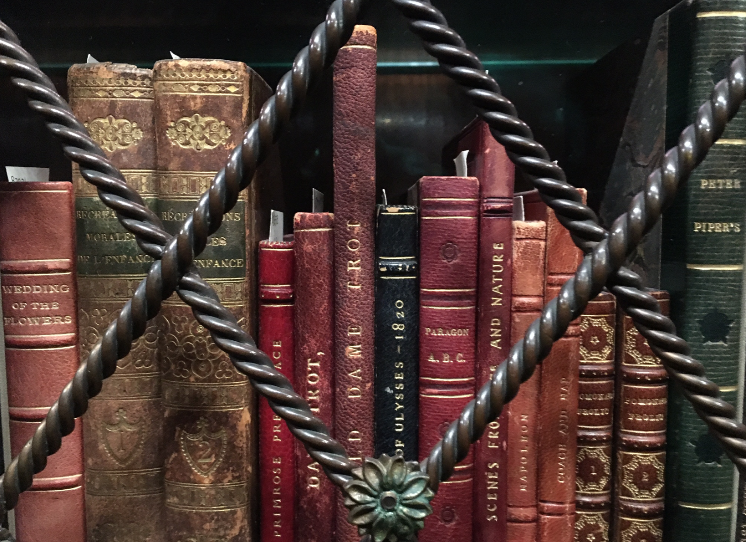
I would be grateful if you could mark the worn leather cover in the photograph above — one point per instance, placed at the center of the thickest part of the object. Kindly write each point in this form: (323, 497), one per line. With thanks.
(593, 475)
(449, 212)
(397, 337)
(115, 103)
(558, 410)
(488, 162)
(201, 110)
(37, 262)
(354, 143)
(529, 256)
(314, 375)
(639, 434)
(276, 443)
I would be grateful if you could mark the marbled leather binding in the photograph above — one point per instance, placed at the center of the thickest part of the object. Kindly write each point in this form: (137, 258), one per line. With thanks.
(449, 212)
(639, 434)
(529, 256)
(37, 262)
(397, 335)
(124, 484)
(314, 375)
(276, 443)
(354, 143)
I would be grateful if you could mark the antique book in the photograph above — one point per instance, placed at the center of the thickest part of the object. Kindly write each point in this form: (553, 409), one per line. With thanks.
(593, 475)
(202, 108)
(37, 263)
(397, 335)
(449, 211)
(529, 255)
(314, 375)
(354, 143)
(700, 500)
(488, 162)
(558, 409)
(639, 434)
(123, 426)
(276, 339)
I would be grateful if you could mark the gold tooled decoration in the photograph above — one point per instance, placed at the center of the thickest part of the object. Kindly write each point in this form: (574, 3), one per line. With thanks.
(122, 439)
(630, 347)
(637, 530)
(198, 132)
(591, 527)
(596, 455)
(598, 323)
(203, 450)
(113, 134)
(641, 461)
(120, 88)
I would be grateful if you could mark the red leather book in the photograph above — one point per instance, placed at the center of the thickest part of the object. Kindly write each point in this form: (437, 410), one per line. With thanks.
(558, 409)
(40, 315)
(488, 162)
(595, 415)
(276, 444)
(314, 375)
(354, 140)
(449, 211)
(529, 254)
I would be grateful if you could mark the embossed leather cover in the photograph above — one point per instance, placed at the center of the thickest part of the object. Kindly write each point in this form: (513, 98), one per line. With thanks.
(529, 256)
(201, 110)
(276, 444)
(449, 211)
(314, 375)
(354, 144)
(639, 434)
(595, 413)
(37, 262)
(397, 335)
(124, 483)
(488, 162)
(558, 409)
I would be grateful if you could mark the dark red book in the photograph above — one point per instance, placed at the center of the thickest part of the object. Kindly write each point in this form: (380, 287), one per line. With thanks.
(276, 443)
(558, 408)
(449, 212)
(529, 255)
(488, 162)
(314, 374)
(354, 144)
(40, 316)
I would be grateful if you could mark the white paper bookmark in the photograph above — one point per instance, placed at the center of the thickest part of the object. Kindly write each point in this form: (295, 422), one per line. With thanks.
(27, 174)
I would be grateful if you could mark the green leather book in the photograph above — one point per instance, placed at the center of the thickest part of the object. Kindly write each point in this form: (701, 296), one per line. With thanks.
(700, 478)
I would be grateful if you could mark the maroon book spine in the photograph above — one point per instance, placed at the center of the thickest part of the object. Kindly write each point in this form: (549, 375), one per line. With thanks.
(276, 446)
(449, 211)
(314, 375)
(40, 316)
(529, 255)
(595, 415)
(354, 139)
(488, 162)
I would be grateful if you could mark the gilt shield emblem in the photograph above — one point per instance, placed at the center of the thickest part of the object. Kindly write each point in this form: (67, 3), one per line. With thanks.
(203, 450)
(123, 439)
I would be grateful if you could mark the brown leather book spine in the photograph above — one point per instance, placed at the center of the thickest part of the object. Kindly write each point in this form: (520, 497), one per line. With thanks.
(449, 213)
(202, 108)
(595, 415)
(354, 139)
(529, 255)
(37, 262)
(639, 434)
(314, 376)
(123, 426)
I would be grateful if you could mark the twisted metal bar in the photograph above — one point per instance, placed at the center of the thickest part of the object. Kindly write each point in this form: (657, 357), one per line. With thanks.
(606, 251)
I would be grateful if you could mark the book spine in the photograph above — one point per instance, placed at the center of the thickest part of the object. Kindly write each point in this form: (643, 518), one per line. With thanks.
(449, 211)
(558, 410)
(397, 336)
(314, 375)
(37, 262)
(639, 434)
(115, 103)
(354, 102)
(529, 255)
(201, 110)
(276, 445)
(593, 473)
(700, 495)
